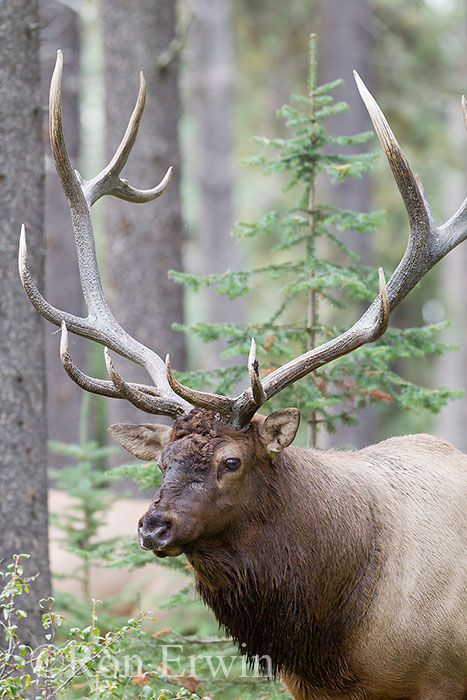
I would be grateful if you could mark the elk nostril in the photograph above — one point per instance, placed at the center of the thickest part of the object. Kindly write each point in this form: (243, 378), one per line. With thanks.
(162, 534)
(153, 531)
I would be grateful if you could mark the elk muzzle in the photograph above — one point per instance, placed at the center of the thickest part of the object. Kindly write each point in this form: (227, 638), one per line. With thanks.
(155, 532)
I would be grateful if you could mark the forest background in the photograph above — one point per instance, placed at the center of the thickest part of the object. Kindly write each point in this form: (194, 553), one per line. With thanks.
(217, 72)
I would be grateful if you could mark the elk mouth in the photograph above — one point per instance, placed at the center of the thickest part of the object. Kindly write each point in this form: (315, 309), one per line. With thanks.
(170, 547)
(169, 550)
(174, 549)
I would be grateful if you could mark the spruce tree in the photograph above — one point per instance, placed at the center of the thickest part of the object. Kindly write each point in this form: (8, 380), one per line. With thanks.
(319, 279)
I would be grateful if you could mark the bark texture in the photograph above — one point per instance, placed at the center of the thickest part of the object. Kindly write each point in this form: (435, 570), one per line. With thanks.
(60, 30)
(23, 482)
(452, 365)
(345, 43)
(144, 241)
(208, 85)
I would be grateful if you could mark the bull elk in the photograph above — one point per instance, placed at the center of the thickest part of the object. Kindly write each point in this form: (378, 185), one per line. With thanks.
(347, 569)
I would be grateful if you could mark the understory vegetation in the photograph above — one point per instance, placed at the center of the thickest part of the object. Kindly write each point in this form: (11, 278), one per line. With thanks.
(311, 278)
(89, 652)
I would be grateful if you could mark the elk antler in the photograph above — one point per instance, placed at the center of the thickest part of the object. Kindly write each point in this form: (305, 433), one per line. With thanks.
(100, 324)
(427, 244)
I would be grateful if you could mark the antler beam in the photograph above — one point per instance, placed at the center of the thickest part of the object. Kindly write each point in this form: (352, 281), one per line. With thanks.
(100, 324)
(427, 244)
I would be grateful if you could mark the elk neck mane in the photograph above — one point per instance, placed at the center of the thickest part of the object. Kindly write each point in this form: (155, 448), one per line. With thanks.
(290, 582)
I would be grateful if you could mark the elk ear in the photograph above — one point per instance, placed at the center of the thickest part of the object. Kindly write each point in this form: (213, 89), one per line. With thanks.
(144, 441)
(278, 430)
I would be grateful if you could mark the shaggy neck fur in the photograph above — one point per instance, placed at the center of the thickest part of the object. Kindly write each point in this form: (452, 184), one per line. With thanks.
(290, 580)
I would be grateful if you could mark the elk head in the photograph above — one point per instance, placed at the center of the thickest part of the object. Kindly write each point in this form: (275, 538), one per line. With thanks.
(211, 476)
(209, 456)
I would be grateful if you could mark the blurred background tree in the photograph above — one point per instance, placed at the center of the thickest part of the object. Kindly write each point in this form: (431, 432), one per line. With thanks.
(207, 89)
(60, 28)
(142, 242)
(23, 472)
(237, 65)
(351, 26)
(310, 278)
(217, 73)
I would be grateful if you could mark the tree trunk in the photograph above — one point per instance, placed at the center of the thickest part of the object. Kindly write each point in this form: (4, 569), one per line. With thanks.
(345, 43)
(23, 476)
(208, 84)
(452, 365)
(144, 241)
(60, 30)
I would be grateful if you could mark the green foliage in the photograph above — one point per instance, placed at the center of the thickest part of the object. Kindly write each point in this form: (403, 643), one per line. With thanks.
(130, 662)
(90, 500)
(14, 674)
(316, 277)
(314, 271)
(85, 665)
(126, 659)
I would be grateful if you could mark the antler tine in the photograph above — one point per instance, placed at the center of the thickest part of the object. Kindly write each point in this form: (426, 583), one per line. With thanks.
(203, 399)
(384, 304)
(108, 181)
(426, 246)
(149, 400)
(259, 395)
(156, 405)
(95, 386)
(100, 325)
(49, 312)
(367, 329)
(427, 243)
(422, 229)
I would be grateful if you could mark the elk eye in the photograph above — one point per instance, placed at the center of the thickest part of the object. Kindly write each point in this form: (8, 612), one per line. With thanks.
(232, 464)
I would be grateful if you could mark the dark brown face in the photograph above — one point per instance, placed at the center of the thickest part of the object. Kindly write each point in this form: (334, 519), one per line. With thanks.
(204, 485)
(212, 475)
